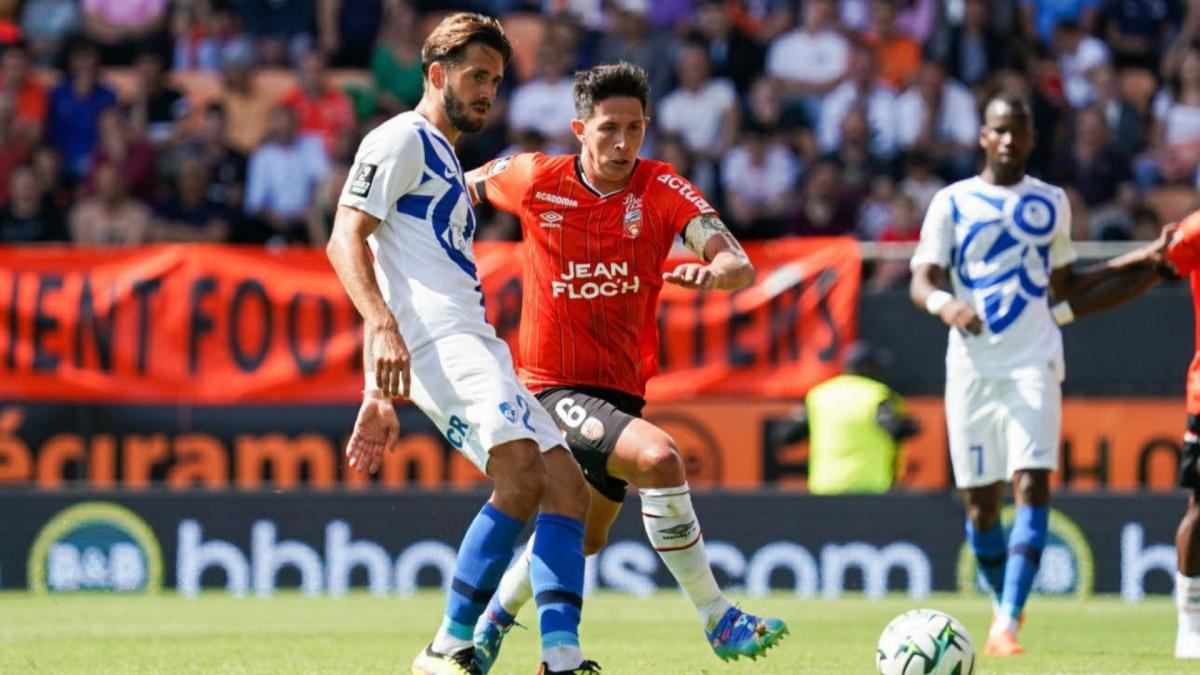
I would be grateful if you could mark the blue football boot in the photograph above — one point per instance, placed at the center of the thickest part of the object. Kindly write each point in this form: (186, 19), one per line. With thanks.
(739, 634)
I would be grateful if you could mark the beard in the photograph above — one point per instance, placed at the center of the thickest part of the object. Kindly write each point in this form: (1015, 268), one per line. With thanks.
(456, 110)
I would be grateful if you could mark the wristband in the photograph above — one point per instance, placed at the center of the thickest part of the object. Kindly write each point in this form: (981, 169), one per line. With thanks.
(371, 384)
(936, 301)
(1063, 314)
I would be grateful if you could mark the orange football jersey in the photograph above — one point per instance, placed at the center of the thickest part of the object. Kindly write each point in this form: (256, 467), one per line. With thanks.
(593, 267)
(1184, 255)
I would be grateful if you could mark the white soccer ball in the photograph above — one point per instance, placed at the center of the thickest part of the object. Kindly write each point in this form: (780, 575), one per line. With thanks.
(927, 642)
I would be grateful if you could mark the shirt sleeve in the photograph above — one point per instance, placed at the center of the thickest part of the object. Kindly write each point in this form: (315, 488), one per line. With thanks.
(256, 185)
(679, 201)
(1062, 251)
(386, 167)
(507, 180)
(937, 234)
(1184, 250)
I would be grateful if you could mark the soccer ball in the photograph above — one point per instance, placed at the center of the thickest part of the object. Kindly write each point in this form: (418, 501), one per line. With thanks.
(925, 641)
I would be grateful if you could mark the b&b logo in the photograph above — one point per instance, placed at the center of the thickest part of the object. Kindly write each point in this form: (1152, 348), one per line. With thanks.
(95, 546)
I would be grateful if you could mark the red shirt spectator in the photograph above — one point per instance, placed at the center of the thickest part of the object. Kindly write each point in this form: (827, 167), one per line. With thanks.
(321, 108)
(29, 97)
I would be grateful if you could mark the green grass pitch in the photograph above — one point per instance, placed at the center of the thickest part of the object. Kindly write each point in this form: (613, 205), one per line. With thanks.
(362, 634)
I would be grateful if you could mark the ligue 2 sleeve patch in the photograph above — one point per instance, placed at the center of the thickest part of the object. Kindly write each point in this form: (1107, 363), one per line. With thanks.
(364, 175)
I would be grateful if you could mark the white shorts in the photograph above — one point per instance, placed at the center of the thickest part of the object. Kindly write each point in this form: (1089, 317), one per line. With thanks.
(466, 384)
(998, 426)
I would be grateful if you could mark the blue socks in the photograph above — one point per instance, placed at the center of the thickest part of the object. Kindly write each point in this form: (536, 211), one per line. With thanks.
(557, 575)
(1025, 544)
(484, 554)
(990, 556)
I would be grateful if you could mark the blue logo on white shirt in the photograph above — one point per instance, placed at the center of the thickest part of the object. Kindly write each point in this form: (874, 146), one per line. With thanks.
(1005, 258)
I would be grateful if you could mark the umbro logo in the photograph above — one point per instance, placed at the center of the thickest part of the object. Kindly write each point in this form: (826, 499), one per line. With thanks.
(682, 531)
(551, 220)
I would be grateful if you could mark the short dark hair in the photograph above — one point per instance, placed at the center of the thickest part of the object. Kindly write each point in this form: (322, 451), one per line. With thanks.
(1017, 102)
(601, 82)
(449, 41)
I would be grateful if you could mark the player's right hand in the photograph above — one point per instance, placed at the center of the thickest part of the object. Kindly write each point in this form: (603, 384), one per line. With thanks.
(392, 362)
(960, 315)
(376, 429)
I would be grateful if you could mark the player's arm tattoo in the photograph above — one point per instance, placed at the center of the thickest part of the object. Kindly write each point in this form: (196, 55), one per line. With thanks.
(702, 228)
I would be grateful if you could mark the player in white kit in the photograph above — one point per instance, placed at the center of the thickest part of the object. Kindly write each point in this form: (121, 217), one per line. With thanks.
(427, 339)
(995, 264)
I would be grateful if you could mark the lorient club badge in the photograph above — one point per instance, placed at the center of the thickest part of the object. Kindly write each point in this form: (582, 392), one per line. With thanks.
(633, 216)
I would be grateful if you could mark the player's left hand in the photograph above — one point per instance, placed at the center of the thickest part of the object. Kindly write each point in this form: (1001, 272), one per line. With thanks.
(376, 429)
(691, 275)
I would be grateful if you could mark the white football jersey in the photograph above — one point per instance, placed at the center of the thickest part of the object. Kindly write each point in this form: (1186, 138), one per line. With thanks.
(406, 175)
(999, 244)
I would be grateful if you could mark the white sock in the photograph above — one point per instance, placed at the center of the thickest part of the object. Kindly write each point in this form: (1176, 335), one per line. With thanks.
(563, 657)
(674, 532)
(1003, 623)
(445, 643)
(1187, 605)
(516, 588)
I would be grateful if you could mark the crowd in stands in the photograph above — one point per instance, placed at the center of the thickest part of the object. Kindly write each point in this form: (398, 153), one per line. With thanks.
(128, 121)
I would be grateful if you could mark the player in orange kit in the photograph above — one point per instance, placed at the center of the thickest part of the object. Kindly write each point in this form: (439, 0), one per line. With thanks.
(1183, 257)
(598, 228)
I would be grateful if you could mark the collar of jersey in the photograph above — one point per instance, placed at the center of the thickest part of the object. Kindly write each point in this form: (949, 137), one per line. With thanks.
(583, 179)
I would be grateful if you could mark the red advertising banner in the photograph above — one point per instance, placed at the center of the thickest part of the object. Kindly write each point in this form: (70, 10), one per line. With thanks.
(206, 324)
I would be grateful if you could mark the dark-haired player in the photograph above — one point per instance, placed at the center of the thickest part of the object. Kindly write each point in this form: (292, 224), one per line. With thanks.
(995, 265)
(598, 227)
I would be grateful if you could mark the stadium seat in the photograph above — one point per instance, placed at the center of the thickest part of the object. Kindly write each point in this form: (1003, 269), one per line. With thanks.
(525, 30)
(1172, 203)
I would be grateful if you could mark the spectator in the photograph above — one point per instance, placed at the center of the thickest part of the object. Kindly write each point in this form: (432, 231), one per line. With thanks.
(1099, 173)
(862, 89)
(347, 29)
(245, 102)
(29, 216)
(158, 109)
(27, 94)
(226, 166)
(855, 425)
(1176, 134)
(733, 55)
(188, 214)
(120, 26)
(1040, 17)
(914, 18)
(48, 167)
(282, 179)
(811, 60)
(205, 37)
(898, 54)
(1124, 122)
(628, 38)
(703, 110)
(903, 227)
(938, 118)
(14, 151)
(46, 24)
(875, 206)
(758, 176)
(320, 216)
(823, 209)
(396, 61)
(973, 49)
(281, 29)
(111, 216)
(1078, 54)
(121, 146)
(919, 183)
(673, 150)
(762, 20)
(1139, 32)
(321, 108)
(75, 107)
(856, 159)
(545, 103)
